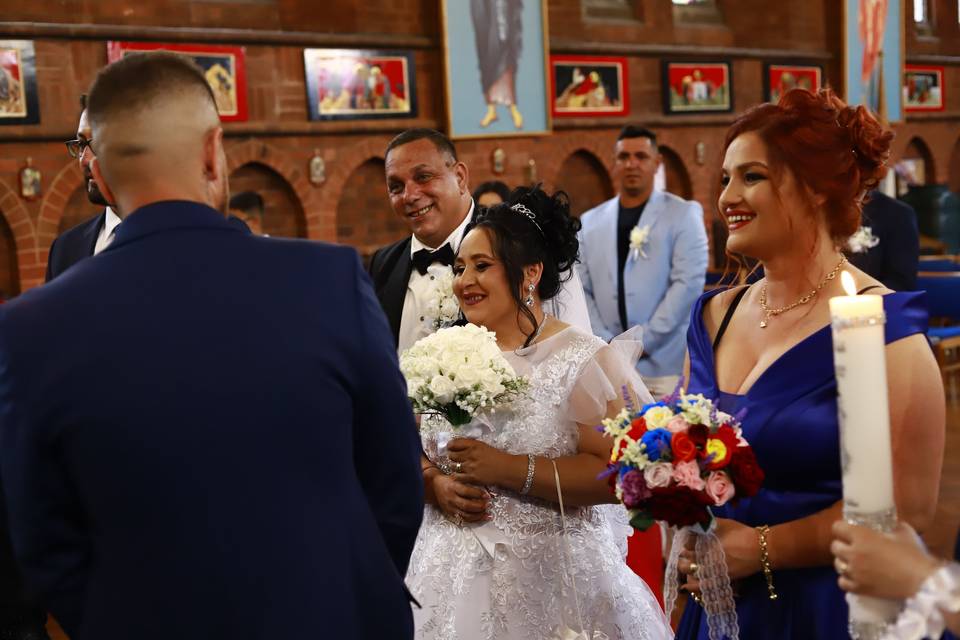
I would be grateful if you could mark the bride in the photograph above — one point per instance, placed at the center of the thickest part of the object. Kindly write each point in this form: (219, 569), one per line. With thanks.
(495, 559)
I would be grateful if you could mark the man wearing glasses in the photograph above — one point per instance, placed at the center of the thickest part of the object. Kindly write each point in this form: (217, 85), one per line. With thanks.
(93, 236)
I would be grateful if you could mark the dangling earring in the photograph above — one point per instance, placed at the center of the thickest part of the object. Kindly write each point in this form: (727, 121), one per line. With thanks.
(529, 299)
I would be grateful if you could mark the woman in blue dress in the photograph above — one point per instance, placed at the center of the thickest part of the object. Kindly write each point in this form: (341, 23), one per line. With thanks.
(794, 177)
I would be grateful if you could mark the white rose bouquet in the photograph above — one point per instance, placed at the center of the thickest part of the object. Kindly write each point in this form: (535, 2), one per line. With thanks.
(458, 371)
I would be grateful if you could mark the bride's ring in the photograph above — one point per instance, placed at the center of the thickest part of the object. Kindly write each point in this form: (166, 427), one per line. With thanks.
(458, 467)
(694, 567)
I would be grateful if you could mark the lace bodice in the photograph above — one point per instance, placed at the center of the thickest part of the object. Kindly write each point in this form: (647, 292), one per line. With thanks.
(514, 568)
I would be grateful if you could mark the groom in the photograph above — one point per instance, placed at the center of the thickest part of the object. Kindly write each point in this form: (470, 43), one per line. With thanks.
(174, 475)
(428, 187)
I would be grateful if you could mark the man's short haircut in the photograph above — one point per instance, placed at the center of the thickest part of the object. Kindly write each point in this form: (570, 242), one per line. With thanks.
(439, 140)
(249, 202)
(139, 79)
(636, 131)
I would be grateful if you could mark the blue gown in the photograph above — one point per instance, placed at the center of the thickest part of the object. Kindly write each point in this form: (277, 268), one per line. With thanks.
(791, 422)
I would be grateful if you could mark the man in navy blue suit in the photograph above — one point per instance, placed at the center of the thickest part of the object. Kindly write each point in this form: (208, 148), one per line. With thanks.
(887, 245)
(91, 236)
(173, 474)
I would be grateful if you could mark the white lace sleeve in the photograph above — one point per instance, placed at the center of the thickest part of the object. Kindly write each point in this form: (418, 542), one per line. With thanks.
(609, 374)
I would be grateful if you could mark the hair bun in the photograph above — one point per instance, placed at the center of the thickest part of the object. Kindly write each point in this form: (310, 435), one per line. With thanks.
(552, 215)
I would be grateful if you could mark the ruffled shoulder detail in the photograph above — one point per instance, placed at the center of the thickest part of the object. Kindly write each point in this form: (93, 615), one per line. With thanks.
(607, 375)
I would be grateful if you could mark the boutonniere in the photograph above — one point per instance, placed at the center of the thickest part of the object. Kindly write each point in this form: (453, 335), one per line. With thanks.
(862, 240)
(638, 239)
(442, 306)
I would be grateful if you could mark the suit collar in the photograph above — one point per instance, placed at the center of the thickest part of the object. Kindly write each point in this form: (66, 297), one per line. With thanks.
(395, 288)
(164, 216)
(91, 231)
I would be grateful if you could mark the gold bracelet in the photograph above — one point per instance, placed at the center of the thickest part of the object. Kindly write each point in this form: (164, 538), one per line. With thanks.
(762, 532)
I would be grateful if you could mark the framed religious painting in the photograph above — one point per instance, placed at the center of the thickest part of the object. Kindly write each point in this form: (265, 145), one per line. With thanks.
(495, 61)
(923, 88)
(873, 43)
(588, 86)
(697, 87)
(350, 84)
(223, 66)
(19, 103)
(780, 78)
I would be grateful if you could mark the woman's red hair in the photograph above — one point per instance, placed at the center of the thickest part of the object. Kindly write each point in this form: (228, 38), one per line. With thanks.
(836, 151)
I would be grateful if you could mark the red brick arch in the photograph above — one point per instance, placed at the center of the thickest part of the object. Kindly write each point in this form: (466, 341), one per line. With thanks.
(596, 146)
(347, 162)
(255, 151)
(31, 268)
(58, 195)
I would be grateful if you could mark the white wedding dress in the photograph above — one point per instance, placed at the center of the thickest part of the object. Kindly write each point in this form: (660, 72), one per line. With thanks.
(511, 578)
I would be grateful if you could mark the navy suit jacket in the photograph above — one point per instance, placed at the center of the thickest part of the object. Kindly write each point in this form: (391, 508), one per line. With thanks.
(206, 463)
(73, 245)
(894, 261)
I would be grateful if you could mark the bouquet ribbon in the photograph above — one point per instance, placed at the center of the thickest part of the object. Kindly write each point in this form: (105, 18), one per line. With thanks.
(715, 590)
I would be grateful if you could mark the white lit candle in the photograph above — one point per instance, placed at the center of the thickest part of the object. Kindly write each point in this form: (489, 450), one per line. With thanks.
(860, 363)
(859, 359)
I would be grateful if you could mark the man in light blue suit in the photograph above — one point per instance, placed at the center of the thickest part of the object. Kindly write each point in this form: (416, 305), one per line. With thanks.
(644, 260)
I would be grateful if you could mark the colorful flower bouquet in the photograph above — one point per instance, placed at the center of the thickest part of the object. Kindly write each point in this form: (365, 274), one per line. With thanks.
(458, 371)
(671, 462)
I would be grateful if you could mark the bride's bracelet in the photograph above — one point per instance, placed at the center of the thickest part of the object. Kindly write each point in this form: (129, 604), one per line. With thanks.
(531, 468)
(923, 613)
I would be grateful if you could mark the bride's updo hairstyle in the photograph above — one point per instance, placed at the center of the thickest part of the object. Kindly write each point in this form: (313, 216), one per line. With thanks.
(836, 151)
(533, 227)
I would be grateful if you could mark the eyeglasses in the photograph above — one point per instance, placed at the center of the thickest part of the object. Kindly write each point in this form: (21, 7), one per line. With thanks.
(76, 146)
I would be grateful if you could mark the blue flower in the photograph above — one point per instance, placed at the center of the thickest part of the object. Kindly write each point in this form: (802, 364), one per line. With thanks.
(656, 443)
(650, 405)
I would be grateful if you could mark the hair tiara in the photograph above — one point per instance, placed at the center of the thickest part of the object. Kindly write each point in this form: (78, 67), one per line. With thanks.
(522, 209)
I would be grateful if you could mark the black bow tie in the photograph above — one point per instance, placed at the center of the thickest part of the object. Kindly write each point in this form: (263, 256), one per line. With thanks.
(424, 258)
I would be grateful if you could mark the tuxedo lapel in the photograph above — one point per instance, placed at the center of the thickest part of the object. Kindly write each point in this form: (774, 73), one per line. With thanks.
(91, 232)
(395, 288)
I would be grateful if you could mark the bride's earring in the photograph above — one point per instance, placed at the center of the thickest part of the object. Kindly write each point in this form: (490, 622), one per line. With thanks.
(529, 299)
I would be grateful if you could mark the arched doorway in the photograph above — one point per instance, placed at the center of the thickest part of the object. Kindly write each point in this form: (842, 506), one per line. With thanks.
(364, 217)
(283, 214)
(915, 167)
(585, 180)
(77, 210)
(953, 179)
(9, 272)
(674, 177)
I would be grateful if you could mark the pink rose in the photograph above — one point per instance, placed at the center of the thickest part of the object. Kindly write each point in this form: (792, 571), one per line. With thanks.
(658, 474)
(687, 474)
(677, 425)
(720, 487)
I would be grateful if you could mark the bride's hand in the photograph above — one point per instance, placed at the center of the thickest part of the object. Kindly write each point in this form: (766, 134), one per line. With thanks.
(476, 462)
(741, 546)
(459, 501)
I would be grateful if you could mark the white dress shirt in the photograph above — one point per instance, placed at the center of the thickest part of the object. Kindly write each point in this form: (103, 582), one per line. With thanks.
(569, 305)
(420, 288)
(106, 235)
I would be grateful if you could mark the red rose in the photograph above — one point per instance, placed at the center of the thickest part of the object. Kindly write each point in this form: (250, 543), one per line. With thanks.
(684, 450)
(698, 434)
(679, 506)
(637, 428)
(746, 472)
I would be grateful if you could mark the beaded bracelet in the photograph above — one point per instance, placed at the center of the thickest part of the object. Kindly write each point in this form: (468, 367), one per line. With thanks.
(762, 532)
(531, 467)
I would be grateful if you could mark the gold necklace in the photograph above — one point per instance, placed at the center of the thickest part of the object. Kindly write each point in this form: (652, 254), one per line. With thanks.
(770, 313)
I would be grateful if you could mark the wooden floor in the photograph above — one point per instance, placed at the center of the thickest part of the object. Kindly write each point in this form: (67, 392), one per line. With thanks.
(943, 533)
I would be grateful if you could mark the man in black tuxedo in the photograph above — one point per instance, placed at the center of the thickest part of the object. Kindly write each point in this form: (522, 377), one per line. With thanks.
(429, 190)
(93, 236)
(172, 474)
(887, 246)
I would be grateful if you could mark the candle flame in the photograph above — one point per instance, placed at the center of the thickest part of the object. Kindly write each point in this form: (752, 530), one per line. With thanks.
(848, 283)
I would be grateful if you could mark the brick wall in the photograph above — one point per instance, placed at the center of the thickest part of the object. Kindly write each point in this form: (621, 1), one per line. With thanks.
(271, 152)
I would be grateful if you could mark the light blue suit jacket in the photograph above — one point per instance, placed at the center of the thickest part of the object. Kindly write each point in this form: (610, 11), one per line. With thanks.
(660, 288)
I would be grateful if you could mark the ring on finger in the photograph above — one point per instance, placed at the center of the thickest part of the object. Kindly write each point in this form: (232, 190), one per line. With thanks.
(696, 597)
(458, 467)
(694, 567)
(842, 567)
